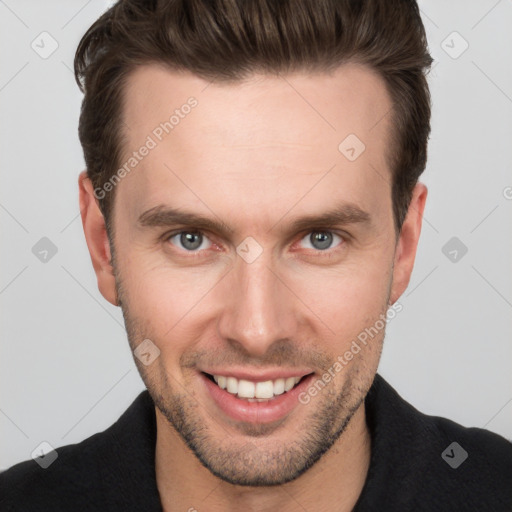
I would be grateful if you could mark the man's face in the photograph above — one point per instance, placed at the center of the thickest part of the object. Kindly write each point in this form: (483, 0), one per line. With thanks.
(262, 297)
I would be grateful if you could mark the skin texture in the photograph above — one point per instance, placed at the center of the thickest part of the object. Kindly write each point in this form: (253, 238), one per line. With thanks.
(256, 155)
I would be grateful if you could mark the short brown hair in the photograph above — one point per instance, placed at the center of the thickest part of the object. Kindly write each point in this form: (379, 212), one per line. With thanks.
(227, 40)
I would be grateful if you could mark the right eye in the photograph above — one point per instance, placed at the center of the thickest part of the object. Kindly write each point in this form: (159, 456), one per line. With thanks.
(190, 241)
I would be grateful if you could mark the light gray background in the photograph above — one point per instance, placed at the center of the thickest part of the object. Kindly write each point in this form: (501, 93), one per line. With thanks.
(66, 370)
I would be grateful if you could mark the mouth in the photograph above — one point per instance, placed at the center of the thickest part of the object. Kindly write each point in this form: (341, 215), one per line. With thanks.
(254, 401)
(251, 391)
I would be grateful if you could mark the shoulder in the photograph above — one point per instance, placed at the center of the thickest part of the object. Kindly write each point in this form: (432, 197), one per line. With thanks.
(432, 462)
(110, 470)
(468, 467)
(476, 452)
(31, 486)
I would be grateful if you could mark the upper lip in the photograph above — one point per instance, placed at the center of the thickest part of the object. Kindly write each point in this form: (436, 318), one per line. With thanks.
(259, 375)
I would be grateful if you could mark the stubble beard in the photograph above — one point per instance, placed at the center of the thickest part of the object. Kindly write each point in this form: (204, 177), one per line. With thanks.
(255, 461)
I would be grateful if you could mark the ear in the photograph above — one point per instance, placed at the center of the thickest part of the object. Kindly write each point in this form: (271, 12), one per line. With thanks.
(407, 244)
(97, 240)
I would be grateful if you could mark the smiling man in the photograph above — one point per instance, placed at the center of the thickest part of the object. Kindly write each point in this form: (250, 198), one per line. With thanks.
(252, 203)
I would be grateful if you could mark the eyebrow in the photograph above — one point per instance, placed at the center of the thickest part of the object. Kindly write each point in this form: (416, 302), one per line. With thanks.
(165, 216)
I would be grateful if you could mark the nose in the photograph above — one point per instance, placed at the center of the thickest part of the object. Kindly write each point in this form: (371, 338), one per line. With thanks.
(259, 309)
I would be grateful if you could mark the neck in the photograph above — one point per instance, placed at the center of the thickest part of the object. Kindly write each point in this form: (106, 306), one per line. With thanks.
(333, 483)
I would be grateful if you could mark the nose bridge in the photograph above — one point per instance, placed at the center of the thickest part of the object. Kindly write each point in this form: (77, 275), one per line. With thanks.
(257, 309)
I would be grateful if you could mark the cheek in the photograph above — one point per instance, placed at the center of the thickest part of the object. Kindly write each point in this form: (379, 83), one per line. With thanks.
(168, 302)
(349, 297)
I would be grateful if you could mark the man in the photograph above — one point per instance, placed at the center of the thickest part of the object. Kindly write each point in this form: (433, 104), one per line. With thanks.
(252, 203)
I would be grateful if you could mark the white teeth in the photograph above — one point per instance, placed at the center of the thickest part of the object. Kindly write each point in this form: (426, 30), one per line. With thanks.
(258, 391)
(221, 381)
(232, 385)
(246, 389)
(278, 386)
(289, 383)
(264, 389)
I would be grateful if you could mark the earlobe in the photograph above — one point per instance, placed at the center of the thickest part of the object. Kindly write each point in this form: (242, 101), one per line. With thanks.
(96, 237)
(405, 252)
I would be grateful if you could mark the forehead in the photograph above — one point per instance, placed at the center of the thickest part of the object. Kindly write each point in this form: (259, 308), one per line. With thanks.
(351, 99)
(256, 136)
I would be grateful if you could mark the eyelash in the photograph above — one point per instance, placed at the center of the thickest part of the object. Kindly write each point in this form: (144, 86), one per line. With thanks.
(327, 253)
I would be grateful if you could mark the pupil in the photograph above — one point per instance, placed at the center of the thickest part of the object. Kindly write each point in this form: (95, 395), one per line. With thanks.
(321, 239)
(187, 240)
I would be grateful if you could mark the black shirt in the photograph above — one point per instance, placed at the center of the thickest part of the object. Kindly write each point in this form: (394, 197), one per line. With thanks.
(415, 465)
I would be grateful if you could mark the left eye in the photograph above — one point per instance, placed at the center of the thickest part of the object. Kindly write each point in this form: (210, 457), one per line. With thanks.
(191, 241)
(320, 240)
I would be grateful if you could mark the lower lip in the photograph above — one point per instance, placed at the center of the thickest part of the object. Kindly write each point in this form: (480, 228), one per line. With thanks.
(256, 412)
